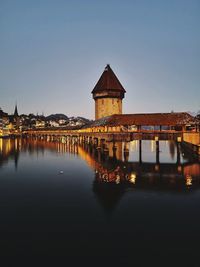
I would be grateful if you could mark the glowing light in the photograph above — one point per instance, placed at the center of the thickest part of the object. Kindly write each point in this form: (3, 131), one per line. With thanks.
(133, 178)
(156, 138)
(188, 180)
(133, 145)
(117, 181)
(1, 145)
(156, 167)
(179, 168)
(179, 139)
(16, 144)
(152, 146)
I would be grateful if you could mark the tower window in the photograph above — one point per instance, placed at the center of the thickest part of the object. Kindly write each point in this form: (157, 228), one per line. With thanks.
(113, 101)
(102, 101)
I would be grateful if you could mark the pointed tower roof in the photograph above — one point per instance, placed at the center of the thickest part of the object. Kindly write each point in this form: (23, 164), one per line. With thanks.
(16, 111)
(108, 81)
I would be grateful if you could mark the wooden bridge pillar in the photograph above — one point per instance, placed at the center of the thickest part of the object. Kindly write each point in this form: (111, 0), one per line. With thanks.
(126, 151)
(114, 150)
(178, 153)
(102, 143)
(99, 153)
(96, 141)
(77, 140)
(90, 140)
(62, 139)
(157, 152)
(140, 151)
(80, 139)
(83, 139)
(106, 151)
(198, 149)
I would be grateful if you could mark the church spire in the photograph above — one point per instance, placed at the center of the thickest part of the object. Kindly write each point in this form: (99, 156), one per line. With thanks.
(16, 111)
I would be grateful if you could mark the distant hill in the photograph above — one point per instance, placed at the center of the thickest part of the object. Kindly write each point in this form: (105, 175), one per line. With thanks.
(57, 117)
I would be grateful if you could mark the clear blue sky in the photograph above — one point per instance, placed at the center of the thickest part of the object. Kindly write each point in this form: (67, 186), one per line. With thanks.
(52, 52)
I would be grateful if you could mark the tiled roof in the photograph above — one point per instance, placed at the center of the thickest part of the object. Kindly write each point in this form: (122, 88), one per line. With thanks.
(108, 81)
(148, 119)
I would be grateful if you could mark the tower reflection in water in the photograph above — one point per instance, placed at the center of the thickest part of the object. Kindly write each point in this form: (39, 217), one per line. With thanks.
(123, 166)
(117, 174)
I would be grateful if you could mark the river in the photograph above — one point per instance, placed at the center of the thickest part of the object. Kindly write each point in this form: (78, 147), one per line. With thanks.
(72, 205)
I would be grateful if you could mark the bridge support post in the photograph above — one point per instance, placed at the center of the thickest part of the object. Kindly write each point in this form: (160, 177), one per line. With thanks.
(114, 148)
(140, 151)
(102, 143)
(157, 152)
(106, 151)
(126, 151)
(198, 149)
(96, 141)
(99, 153)
(83, 139)
(178, 153)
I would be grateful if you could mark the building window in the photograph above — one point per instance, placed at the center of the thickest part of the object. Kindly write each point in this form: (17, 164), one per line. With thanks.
(102, 101)
(113, 101)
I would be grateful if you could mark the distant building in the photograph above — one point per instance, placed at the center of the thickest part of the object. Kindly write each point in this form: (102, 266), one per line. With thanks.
(53, 123)
(4, 122)
(108, 94)
(39, 123)
(14, 121)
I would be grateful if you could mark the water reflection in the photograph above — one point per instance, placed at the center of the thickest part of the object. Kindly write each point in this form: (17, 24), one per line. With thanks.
(153, 201)
(10, 149)
(122, 167)
(134, 163)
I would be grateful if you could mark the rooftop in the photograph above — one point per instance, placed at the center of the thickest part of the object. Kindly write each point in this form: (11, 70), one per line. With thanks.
(146, 119)
(108, 81)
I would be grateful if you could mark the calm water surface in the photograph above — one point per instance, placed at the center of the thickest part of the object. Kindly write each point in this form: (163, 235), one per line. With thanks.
(72, 205)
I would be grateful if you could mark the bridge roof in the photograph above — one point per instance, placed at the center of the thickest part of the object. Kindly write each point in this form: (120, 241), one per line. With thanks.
(108, 81)
(148, 119)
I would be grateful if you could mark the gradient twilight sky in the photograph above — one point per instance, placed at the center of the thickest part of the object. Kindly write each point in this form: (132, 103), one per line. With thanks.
(52, 52)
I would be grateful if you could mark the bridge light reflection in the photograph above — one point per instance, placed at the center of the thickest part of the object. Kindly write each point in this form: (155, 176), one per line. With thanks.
(1, 145)
(188, 180)
(157, 167)
(179, 168)
(133, 178)
(153, 146)
(117, 181)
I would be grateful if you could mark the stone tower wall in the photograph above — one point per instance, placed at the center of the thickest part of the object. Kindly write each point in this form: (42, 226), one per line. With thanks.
(107, 106)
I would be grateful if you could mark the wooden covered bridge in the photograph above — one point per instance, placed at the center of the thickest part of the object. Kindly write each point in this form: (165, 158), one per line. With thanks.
(128, 127)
